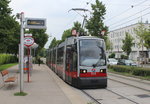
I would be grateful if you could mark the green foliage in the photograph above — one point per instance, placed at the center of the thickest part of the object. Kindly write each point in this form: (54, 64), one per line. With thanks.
(6, 66)
(124, 57)
(40, 37)
(66, 34)
(20, 94)
(127, 44)
(147, 39)
(95, 24)
(78, 28)
(9, 29)
(42, 52)
(7, 58)
(109, 45)
(53, 43)
(143, 34)
(4, 9)
(112, 55)
(137, 71)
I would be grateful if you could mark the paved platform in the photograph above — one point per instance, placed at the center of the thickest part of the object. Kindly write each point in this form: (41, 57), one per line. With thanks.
(44, 88)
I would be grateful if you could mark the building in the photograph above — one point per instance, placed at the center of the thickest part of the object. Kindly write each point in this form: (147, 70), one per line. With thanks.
(116, 37)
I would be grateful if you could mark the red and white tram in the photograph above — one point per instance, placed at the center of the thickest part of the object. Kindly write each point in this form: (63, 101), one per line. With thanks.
(80, 61)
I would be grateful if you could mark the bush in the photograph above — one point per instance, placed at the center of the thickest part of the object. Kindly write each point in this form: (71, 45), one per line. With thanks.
(7, 58)
(124, 57)
(112, 55)
(138, 71)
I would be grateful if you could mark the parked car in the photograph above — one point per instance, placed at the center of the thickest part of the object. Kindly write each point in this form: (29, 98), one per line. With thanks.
(112, 61)
(126, 62)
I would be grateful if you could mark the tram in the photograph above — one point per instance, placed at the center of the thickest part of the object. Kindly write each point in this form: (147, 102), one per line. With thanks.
(80, 61)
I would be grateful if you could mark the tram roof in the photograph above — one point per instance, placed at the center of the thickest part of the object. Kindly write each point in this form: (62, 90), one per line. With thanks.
(72, 40)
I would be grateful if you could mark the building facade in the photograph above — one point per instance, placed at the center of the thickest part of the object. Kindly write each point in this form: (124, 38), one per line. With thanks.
(116, 37)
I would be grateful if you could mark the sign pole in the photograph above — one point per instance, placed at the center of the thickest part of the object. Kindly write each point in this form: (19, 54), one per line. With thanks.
(21, 51)
(28, 64)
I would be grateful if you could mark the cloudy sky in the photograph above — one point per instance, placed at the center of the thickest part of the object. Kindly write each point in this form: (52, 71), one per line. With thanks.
(119, 13)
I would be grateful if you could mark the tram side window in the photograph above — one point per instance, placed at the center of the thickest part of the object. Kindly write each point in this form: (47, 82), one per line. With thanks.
(71, 58)
(60, 55)
(54, 56)
(49, 59)
(74, 61)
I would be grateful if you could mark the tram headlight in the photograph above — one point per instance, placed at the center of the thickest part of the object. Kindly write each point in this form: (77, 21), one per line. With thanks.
(102, 70)
(83, 71)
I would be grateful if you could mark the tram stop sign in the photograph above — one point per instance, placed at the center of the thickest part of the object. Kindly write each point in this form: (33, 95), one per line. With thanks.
(28, 41)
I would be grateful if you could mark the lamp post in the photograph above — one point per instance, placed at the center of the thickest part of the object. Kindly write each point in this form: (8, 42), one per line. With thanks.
(34, 46)
(22, 20)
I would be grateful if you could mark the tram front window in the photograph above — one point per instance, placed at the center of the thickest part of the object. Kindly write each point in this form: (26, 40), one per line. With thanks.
(92, 53)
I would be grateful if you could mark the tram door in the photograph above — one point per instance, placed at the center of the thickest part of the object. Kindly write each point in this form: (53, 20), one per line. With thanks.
(69, 64)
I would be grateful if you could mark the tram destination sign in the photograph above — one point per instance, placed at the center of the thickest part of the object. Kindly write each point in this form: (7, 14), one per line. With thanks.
(35, 23)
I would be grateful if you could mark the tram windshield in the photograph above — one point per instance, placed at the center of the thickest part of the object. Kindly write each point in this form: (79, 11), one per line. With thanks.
(92, 53)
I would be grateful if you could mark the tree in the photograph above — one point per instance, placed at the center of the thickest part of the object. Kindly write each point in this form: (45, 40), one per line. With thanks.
(140, 32)
(147, 39)
(40, 37)
(109, 45)
(78, 28)
(127, 44)
(66, 34)
(42, 52)
(53, 43)
(9, 29)
(95, 24)
(143, 34)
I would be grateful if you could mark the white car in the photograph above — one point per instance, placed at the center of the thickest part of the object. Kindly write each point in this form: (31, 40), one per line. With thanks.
(112, 61)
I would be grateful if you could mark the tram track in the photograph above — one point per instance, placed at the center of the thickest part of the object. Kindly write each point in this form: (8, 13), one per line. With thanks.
(129, 85)
(92, 98)
(122, 96)
(95, 100)
(132, 85)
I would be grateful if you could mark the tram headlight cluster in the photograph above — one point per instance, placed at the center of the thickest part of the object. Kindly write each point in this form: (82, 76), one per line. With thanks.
(102, 70)
(83, 71)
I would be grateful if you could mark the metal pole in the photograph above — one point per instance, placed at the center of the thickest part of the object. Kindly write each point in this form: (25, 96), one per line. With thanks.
(21, 51)
(34, 55)
(28, 49)
(19, 67)
(83, 21)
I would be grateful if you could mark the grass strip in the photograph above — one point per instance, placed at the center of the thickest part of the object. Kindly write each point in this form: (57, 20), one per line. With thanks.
(20, 94)
(129, 74)
(6, 66)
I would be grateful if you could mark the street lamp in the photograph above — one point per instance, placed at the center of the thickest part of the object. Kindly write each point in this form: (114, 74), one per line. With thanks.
(21, 48)
(34, 46)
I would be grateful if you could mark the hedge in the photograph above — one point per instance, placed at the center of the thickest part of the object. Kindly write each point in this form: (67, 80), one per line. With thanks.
(7, 58)
(138, 71)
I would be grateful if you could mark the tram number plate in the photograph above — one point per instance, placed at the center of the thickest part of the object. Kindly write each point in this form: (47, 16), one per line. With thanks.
(93, 72)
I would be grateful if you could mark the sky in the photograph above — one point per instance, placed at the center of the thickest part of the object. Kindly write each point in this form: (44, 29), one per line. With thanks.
(119, 13)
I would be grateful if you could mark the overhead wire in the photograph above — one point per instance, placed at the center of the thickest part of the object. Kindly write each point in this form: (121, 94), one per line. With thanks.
(126, 10)
(128, 17)
(132, 20)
